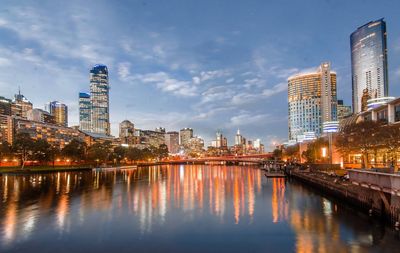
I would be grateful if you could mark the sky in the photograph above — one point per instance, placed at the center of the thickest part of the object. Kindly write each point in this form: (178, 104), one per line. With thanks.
(208, 65)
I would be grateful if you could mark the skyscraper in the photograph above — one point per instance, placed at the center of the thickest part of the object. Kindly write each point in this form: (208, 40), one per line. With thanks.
(60, 112)
(21, 105)
(172, 141)
(126, 132)
(311, 100)
(99, 98)
(369, 62)
(185, 135)
(85, 108)
(343, 110)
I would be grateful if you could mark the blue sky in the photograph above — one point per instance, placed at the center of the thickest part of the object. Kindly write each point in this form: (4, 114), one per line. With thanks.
(203, 64)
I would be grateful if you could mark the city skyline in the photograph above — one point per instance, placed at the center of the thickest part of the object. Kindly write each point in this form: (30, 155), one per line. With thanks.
(227, 77)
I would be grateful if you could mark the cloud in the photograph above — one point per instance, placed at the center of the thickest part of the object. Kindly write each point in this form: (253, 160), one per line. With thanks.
(275, 90)
(247, 118)
(123, 70)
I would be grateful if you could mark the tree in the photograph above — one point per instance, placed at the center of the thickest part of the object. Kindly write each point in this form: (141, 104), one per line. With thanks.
(5, 150)
(99, 152)
(313, 152)
(119, 153)
(277, 153)
(41, 151)
(75, 150)
(292, 152)
(24, 146)
(162, 151)
(134, 154)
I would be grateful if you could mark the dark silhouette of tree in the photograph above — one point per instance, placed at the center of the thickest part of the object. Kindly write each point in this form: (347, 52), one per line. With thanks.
(23, 146)
(75, 150)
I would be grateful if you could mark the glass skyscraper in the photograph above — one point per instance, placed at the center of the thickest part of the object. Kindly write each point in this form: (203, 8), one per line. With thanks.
(312, 100)
(60, 112)
(85, 108)
(99, 98)
(369, 62)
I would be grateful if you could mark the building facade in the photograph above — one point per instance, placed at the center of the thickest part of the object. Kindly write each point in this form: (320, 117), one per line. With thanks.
(59, 112)
(343, 111)
(40, 115)
(127, 132)
(312, 100)
(20, 105)
(185, 135)
(85, 109)
(172, 142)
(99, 99)
(369, 62)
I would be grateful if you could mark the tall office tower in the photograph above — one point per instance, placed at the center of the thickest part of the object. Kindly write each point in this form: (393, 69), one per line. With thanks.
(172, 141)
(126, 131)
(185, 135)
(5, 106)
(99, 98)
(238, 138)
(85, 108)
(59, 111)
(343, 111)
(369, 62)
(21, 105)
(311, 101)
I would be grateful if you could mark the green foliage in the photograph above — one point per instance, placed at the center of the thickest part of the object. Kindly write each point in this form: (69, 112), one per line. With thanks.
(99, 152)
(313, 153)
(75, 150)
(23, 146)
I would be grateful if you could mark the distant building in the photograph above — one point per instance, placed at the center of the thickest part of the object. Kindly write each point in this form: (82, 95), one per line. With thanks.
(60, 112)
(126, 132)
(40, 115)
(311, 100)
(85, 109)
(20, 105)
(343, 111)
(172, 142)
(6, 128)
(369, 62)
(364, 100)
(149, 138)
(5, 106)
(196, 145)
(185, 135)
(238, 138)
(160, 129)
(99, 99)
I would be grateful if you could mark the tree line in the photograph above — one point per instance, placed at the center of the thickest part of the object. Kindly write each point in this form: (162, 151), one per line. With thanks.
(27, 149)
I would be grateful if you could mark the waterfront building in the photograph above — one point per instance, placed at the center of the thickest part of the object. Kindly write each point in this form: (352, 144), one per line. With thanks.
(172, 142)
(40, 115)
(85, 108)
(343, 111)
(185, 135)
(312, 100)
(369, 62)
(59, 112)
(148, 138)
(126, 132)
(20, 105)
(99, 99)
(5, 106)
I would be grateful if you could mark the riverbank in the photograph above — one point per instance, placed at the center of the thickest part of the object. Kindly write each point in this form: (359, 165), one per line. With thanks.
(374, 202)
(42, 169)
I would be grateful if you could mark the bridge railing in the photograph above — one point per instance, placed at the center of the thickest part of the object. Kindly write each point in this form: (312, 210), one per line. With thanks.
(376, 180)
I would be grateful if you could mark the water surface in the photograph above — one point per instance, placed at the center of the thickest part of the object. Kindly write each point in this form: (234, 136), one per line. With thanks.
(179, 209)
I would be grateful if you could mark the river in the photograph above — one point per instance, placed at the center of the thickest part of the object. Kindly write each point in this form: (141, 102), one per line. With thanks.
(191, 208)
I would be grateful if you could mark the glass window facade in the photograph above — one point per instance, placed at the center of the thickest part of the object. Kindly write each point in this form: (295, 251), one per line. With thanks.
(85, 108)
(369, 62)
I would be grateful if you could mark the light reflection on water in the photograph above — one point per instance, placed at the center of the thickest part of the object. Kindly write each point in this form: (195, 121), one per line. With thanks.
(179, 208)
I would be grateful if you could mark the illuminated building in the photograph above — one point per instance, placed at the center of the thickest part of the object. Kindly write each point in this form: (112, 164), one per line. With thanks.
(149, 138)
(172, 141)
(343, 111)
(369, 62)
(84, 112)
(126, 132)
(99, 99)
(185, 135)
(6, 128)
(60, 112)
(20, 105)
(311, 100)
(196, 144)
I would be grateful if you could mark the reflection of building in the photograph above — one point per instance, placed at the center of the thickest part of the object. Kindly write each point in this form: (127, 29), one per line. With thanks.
(99, 99)
(172, 142)
(59, 112)
(126, 132)
(369, 62)
(85, 109)
(185, 135)
(343, 111)
(312, 101)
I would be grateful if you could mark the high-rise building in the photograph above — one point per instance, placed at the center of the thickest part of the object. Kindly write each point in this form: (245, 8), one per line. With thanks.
(369, 62)
(85, 108)
(126, 131)
(99, 98)
(59, 111)
(343, 111)
(20, 105)
(238, 138)
(5, 106)
(185, 135)
(311, 100)
(39, 115)
(172, 141)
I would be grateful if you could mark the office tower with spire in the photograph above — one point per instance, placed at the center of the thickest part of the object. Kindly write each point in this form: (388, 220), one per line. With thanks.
(20, 105)
(369, 62)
